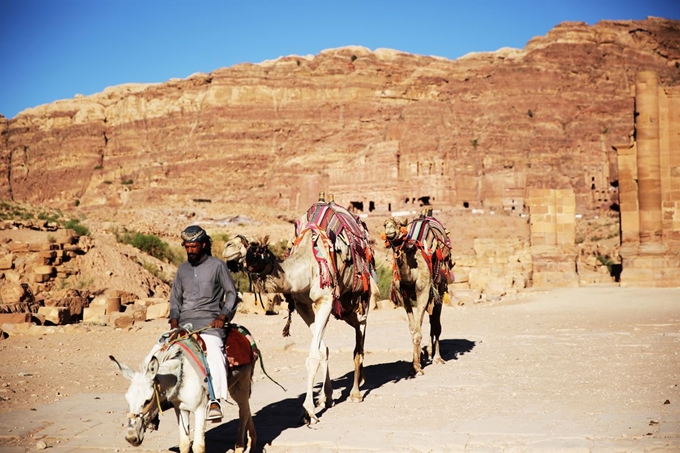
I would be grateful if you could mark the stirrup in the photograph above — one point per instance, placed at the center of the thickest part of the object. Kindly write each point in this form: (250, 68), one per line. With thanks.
(213, 413)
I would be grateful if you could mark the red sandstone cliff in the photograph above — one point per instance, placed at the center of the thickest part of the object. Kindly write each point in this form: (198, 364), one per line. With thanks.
(379, 127)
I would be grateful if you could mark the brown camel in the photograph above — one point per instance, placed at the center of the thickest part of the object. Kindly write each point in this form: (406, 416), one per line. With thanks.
(340, 283)
(421, 271)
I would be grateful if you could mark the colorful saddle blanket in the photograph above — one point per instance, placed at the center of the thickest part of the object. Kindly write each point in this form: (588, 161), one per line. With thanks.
(431, 237)
(430, 233)
(240, 348)
(348, 236)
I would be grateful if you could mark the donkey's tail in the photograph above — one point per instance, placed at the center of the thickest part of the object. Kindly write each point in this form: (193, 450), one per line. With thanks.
(256, 352)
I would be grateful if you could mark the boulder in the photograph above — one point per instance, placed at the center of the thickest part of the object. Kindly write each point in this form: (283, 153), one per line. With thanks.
(55, 315)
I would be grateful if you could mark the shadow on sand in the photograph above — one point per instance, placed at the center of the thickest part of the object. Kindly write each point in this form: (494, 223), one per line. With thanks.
(275, 418)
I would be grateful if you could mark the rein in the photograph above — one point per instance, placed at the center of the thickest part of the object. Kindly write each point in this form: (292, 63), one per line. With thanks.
(146, 410)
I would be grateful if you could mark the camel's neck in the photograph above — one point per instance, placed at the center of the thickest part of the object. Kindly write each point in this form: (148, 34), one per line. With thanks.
(277, 281)
(293, 275)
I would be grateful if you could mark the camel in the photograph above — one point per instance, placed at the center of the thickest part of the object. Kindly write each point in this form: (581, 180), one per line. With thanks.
(421, 270)
(234, 252)
(339, 283)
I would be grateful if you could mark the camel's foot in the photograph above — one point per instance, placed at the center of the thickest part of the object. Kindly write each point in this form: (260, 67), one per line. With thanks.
(308, 418)
(438, 360)
(355, 397)
(324, 403)
(417, 371)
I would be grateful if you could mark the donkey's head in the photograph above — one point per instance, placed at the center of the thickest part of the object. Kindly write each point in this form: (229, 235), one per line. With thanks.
(143, 398)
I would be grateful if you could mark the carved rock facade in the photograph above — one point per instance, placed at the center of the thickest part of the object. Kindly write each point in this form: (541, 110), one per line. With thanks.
(382, 130)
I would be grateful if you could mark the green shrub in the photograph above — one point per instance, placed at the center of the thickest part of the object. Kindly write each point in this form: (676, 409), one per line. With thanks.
(606, 261)
(384, 281)
(79, 228)
(147, 243)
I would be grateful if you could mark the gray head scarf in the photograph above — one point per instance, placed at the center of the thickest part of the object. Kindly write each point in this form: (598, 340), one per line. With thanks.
(194, 233)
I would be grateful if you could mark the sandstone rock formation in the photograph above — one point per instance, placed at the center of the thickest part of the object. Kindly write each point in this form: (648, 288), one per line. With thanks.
(381, 129)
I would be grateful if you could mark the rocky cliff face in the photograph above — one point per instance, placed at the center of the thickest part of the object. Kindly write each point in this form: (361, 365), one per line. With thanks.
(382, 129)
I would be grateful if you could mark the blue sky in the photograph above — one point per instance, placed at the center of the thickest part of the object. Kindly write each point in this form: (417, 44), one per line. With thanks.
(55, 49)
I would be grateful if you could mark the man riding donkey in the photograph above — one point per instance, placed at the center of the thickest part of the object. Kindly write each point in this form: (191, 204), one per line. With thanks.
(203, 298)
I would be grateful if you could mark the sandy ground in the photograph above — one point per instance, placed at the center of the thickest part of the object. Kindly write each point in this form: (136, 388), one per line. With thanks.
(585, 370)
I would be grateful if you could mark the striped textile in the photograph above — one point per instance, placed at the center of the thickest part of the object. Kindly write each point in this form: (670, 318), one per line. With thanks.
(431, 238)
(194, 354)
(429, 232)
(339, 224)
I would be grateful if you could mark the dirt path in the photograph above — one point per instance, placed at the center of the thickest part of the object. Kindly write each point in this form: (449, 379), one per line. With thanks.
(584, 370)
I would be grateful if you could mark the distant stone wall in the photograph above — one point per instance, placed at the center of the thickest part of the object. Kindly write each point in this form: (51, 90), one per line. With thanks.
(553, 233)
(649, 182)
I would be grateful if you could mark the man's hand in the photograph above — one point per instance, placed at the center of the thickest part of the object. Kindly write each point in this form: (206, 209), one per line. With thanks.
(174, 323)
(218, 322)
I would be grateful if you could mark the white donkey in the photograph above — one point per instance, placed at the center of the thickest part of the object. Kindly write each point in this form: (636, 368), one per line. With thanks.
(169, 376)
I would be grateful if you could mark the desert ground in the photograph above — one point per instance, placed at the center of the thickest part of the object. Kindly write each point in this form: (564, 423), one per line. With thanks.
(592, 369)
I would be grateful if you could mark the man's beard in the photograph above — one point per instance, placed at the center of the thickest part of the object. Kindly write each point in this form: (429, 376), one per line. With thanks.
(194, 258)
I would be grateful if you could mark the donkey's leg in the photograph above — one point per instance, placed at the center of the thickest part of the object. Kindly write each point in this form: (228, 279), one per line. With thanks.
(199, 429)
(239, 389)
(183, 417)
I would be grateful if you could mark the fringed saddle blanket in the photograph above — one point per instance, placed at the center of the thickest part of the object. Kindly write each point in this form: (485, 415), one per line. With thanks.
(240, 348)
(431, 237)
(347, 235)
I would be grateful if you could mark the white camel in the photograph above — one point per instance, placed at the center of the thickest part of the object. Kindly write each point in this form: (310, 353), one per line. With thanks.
(321, 279)
(168, 376)
(420, 274)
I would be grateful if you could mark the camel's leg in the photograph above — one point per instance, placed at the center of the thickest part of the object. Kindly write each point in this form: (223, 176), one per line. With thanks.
(359, 337)
(183, 424)
(325, 397)
(423, 297)
(435, 332)
(317, 320)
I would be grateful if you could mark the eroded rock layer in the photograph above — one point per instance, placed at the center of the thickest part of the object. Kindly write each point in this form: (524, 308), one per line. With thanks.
(380, 128)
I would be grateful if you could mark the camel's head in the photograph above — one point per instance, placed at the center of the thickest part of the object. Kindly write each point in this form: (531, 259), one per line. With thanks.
(258, 257)
(394, 228)
(234, 252)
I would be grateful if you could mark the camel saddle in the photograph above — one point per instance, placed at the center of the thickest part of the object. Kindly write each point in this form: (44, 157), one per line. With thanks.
(431, 237)
(348, 234)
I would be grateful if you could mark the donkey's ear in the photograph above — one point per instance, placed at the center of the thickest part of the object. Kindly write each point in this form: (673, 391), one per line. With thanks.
(265, 240)
(152, 368)
(124, 369)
